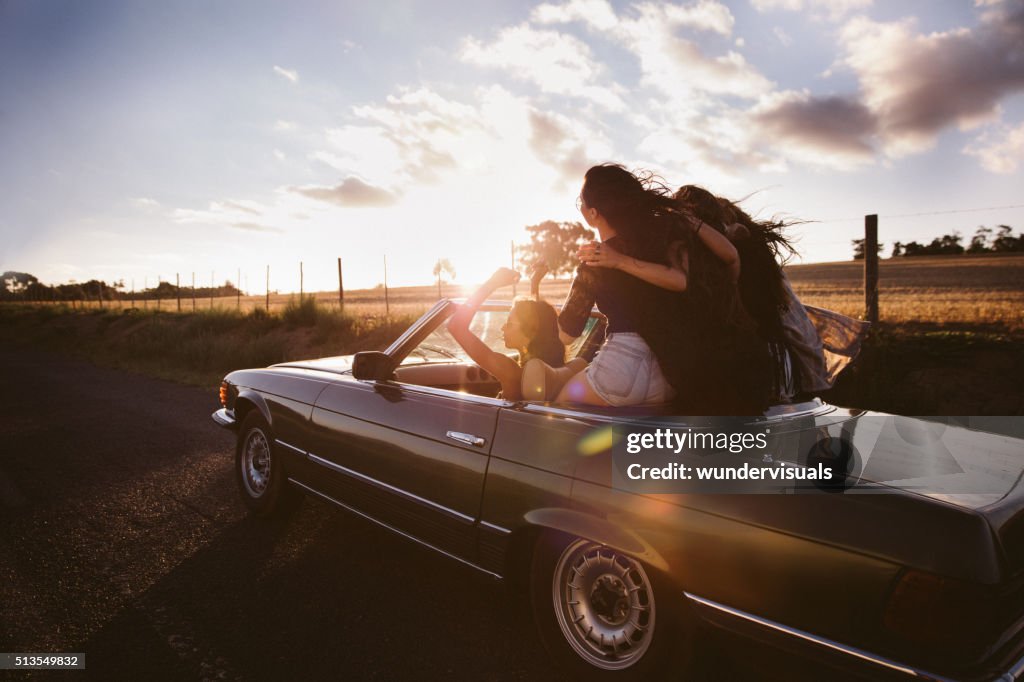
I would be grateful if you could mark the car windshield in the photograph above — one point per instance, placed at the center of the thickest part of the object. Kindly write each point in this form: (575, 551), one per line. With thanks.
(440, 346)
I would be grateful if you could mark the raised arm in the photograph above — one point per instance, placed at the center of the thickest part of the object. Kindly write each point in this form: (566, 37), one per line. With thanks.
(502, 367)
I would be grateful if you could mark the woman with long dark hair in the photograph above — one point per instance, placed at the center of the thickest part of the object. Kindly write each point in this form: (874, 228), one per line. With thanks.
(667, 283)
(531, 329)
(781, 318)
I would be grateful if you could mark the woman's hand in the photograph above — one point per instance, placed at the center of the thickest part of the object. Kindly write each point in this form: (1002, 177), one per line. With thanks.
(600, 255)
(503, 277)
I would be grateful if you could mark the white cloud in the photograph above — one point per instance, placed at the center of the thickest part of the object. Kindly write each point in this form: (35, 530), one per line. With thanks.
(597, 13)
(1000, 150)
(291, 75)
(783, 37)
(919, 84)
(279, 155)
(225, 212)
(678, 67)
(350, 192)
(557, 63)
(285, 126)
(830, 9)
(146, 202)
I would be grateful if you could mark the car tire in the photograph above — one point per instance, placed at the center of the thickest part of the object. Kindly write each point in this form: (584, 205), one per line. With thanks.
(601, 614)
(259, 471)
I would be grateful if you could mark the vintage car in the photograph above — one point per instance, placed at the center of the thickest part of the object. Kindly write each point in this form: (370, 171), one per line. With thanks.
(908, 562)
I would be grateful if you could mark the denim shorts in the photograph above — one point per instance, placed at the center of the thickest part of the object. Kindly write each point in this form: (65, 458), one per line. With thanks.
(625, 372)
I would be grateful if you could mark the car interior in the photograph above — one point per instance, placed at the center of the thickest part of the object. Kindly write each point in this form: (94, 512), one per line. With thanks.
(458, 374)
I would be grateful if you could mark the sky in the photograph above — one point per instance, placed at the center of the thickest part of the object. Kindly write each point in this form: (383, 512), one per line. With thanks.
(140, 141)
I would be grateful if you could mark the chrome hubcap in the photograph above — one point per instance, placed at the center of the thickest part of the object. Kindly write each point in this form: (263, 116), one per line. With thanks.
(604, 605)
(256, 463)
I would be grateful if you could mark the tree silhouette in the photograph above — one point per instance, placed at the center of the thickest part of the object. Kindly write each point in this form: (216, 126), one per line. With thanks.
(858, 249)
(554, 245)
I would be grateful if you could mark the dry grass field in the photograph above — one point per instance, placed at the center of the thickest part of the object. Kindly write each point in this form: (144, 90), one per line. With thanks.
(951, 339)
(970, 292)
(945, 292)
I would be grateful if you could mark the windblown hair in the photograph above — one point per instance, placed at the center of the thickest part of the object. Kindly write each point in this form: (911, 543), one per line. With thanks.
(761, 245)
(707, 344)
(539, 323)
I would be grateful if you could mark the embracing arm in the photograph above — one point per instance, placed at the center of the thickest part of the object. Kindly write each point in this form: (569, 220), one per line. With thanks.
(502, 367)
(718, 244)
(663, 276)
(671, 277)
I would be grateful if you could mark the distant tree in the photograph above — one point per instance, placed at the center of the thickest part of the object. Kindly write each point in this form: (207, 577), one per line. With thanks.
(443, 267)
(554, 245)
(946, 245)
(913, 249)
(858, 249)
(897, 250)
(979, 242)
(1005, 242)
(16, 283)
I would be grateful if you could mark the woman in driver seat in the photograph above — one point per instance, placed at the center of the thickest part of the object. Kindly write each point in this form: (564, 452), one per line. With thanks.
(531, 329)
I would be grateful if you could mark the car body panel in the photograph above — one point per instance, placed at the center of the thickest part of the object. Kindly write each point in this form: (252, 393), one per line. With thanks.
(473, 475)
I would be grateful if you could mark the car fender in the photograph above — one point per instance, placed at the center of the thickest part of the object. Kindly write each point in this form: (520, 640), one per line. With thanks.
(255, 401)
(601, 530)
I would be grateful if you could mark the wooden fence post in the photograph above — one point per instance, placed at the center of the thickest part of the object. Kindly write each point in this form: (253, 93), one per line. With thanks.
(238, 291)
(512, 263)
(871, 268)
(387, 306)
(268, 288)
(302, 282)
(193, 292)
(341, 290)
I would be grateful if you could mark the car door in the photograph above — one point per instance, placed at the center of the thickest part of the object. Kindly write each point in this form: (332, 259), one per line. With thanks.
(412, 457)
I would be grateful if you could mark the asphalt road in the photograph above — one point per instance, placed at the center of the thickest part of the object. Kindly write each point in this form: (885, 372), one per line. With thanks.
(122, 537)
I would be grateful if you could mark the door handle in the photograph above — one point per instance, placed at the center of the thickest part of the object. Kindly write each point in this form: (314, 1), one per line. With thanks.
(467, 438)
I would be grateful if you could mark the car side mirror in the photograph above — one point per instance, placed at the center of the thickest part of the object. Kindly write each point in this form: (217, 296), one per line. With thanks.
(373, 365)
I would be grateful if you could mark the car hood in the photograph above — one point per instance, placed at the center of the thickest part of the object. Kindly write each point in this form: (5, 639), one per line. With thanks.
(339, 364)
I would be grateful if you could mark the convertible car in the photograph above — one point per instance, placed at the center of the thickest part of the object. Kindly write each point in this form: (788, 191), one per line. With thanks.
(906, 561)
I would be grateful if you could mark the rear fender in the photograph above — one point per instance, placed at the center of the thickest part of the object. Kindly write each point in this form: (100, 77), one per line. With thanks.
(598, 530)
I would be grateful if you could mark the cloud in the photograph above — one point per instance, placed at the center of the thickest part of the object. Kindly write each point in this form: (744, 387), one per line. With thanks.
(1000, 150)
(146, 202)
(833, 128)
(918, 84)
(678, 67)
(284, 126)
(557, 63)
(783, 37)
(256, 227)
(227, 212)
(563, 144)
(818, 9)
(292, 75)
(597, 13)
(250, 207)
(350, 193)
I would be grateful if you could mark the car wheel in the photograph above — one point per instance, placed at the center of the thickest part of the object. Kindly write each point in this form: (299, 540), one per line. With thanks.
(598, 613)
(259, 471)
